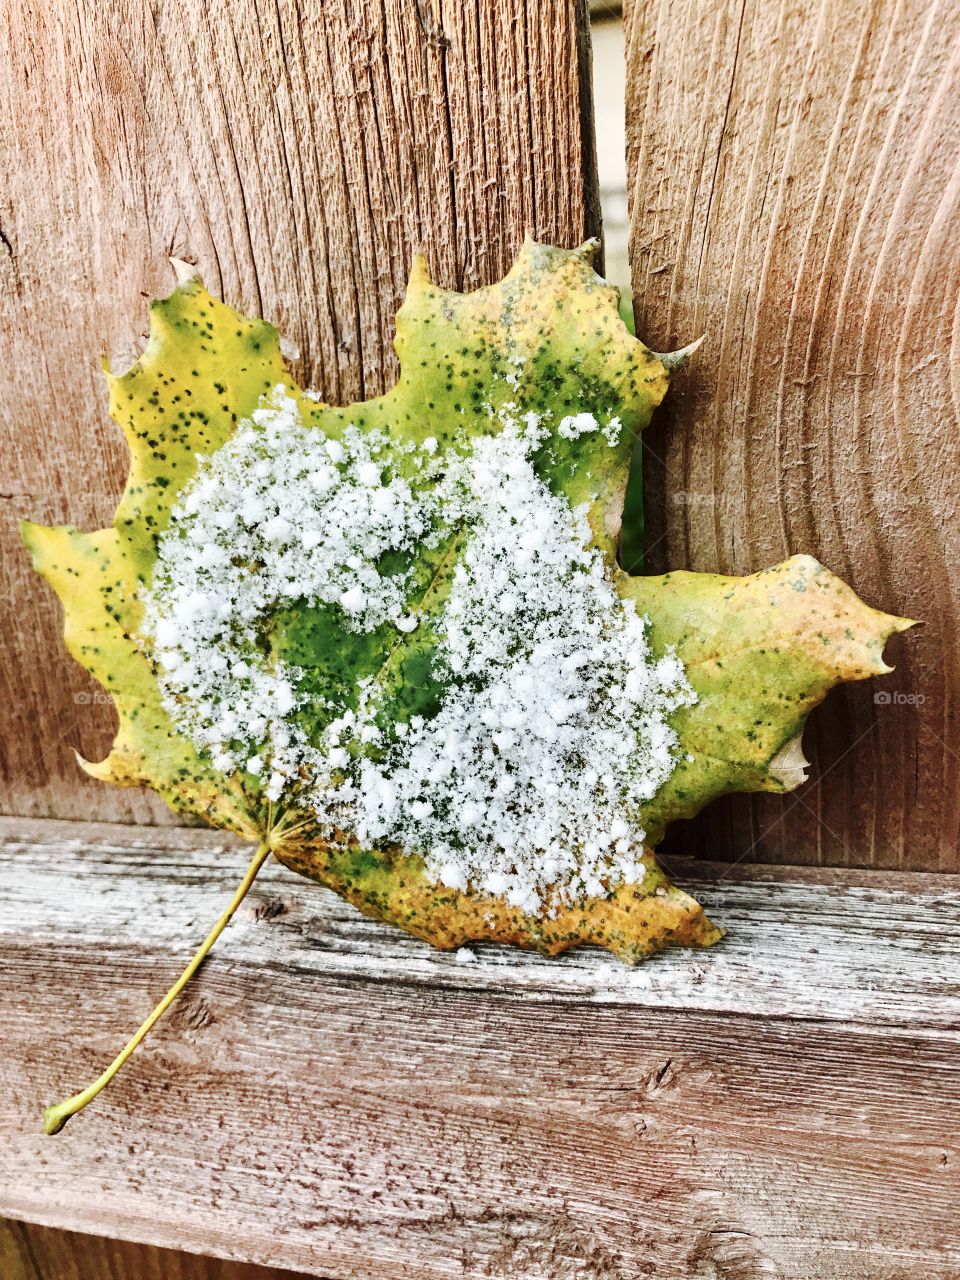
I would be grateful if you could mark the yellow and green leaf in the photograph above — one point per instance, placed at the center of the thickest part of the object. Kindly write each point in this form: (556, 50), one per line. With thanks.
(760, 652)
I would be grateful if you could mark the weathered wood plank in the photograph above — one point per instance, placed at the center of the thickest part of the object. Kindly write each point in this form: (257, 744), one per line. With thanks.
(333, 1096)
(885, 949)
(795, 190)
(298, 154)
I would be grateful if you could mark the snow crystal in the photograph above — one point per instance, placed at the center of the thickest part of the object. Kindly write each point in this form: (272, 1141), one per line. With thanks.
(577, 424)
(553, 728)
(581, 424)
(612, 431)
(279, 515)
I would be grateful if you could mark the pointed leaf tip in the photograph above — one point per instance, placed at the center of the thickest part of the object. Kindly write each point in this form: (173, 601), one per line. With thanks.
(891, 625)
(903, 624)
(789, 765)
(184, 271)
(419, 271)
(674, 359)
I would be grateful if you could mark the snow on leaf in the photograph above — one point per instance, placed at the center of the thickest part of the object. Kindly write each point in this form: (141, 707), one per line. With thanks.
(391, 642)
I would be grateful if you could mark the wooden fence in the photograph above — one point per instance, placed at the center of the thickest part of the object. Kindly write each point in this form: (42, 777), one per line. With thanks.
(795, 182)
(330, 1096)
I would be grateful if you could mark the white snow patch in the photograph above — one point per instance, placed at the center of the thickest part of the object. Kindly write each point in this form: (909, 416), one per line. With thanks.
(553, 728)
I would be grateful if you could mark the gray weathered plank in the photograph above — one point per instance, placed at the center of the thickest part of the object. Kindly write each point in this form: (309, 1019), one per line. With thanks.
(333, 1096)
(874, 948)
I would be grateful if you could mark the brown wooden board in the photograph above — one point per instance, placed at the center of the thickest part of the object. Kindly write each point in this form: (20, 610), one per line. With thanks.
(334, 1096)
(32, 1252)
(298, 154)
(794, 175)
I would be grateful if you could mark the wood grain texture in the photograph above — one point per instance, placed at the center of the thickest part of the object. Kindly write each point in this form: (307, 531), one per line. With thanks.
(794, 177)
(31, 1252)
(333, 1096)
(298, 154)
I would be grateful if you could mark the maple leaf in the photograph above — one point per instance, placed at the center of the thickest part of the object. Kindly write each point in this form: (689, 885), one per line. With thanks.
(338, 677)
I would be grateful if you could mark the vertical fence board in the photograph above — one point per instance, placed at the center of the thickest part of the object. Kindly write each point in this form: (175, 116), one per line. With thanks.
(32, 1252)
(298, 154)
(794, 176)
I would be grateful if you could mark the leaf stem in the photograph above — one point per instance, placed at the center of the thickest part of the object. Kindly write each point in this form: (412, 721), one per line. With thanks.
(54, 1118)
